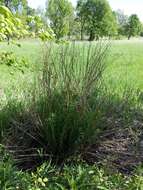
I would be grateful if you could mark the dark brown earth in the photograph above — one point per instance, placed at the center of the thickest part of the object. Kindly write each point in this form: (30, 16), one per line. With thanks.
(118, 148)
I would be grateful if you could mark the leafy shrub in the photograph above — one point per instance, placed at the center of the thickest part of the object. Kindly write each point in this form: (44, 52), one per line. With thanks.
(10, 59)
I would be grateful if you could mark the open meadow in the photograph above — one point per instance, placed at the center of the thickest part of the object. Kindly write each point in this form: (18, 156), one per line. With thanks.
(86, 133)
(124, 64)
(71, 95)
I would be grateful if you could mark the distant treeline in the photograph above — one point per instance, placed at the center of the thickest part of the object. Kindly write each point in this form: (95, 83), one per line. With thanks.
(89, 20)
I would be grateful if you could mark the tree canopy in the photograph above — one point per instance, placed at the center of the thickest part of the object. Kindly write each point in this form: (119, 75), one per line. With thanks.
(133, 26)
(92, 19)
(10, 25)
(14, 5)
(97, 17)
(60, 13)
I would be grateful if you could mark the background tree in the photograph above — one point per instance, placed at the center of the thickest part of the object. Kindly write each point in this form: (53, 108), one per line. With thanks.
(109, 25)
(81, 16)
(141, 34)
(59, 12)
(97, 17)
(133, 26)
(15, 5)
(122, 20)
(29, 11)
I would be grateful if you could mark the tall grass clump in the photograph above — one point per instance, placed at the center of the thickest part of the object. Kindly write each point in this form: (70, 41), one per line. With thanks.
(61, 120)
(71, 74)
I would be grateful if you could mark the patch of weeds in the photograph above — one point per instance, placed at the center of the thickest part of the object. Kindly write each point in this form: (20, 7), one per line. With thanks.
(11, 110)
(11, 60)
(75, 177)
(60, 120)
(7, 173)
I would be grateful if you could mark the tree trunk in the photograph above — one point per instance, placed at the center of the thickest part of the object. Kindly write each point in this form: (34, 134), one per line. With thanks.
(82, 32)
(69, 36)
(82, 29)
(97, 38)
(129, 36)
(92, 36)
(8, 40)
(81, 35)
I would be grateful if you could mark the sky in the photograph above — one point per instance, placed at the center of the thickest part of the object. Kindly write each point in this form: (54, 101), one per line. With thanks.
(128, 6)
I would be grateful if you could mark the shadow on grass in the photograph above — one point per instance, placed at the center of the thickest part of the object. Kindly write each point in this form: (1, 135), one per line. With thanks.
(112, 137)
(120, 143)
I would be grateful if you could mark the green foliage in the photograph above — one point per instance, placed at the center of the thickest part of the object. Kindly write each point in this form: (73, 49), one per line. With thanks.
(34, 23)
(121, 17)
(97, 18)
(133, 26)
(10, 59)
(14, 5)
(13, 27)
(141, 33)
(122, 20)
(10, 26)
(7, 175)
(81, 9)
(74, 177)
(60, 13)
(39, 29)
(11, 109)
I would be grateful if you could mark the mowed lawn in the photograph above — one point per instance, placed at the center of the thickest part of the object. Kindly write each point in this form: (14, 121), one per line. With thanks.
(124, 64)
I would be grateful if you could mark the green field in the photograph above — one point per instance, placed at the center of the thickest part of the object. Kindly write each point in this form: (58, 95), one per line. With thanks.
(124, 64)
(10, 78)
(71, 96)
(114, 114)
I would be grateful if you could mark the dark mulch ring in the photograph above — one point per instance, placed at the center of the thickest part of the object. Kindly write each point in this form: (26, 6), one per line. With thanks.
(118, 148)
